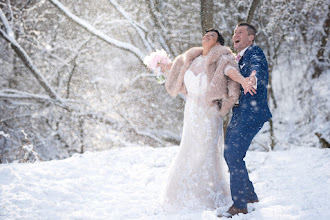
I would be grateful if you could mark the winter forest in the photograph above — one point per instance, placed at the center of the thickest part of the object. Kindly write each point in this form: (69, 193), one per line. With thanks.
(86, 132)
(73, 78)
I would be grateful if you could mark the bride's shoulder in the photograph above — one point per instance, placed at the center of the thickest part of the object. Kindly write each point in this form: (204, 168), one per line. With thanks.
(192, 53)
(219, 53)
(223, 50)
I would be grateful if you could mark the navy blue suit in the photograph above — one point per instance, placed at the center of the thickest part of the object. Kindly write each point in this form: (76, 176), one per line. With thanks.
(247, 120)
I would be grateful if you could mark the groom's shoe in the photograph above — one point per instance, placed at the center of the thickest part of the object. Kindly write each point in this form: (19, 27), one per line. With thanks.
(233, 211)
(253, 201)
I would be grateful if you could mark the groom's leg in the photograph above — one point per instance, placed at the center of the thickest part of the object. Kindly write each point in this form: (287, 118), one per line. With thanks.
(237, 142)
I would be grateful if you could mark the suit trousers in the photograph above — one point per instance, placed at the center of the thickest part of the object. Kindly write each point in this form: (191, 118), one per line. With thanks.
(237, 141)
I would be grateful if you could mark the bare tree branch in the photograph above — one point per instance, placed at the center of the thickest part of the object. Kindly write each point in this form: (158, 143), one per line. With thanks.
(74, 68)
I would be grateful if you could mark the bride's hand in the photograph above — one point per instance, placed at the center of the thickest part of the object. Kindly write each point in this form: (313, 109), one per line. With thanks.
(219, 103)
(253, 79)
(252, 84)
(247, 86)
(164, 67)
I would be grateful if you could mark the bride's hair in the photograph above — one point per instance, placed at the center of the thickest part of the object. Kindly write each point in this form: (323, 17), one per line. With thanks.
(220, 39)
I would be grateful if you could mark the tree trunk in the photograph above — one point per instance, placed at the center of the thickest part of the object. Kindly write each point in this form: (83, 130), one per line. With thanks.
(270, 94)
(324, 143)
(252, 10)
(207, 10)
(320, 54)
(82, 135)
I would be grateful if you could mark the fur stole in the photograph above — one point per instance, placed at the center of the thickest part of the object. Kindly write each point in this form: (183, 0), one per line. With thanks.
(219, 86)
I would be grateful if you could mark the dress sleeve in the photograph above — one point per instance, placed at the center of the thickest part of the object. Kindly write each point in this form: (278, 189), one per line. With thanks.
(229, 65)
(174, 82)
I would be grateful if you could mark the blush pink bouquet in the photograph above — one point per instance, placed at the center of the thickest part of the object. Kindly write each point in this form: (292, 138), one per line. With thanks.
(154, 58)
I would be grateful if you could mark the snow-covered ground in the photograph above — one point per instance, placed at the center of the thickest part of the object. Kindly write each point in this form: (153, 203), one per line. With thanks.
(124, 183)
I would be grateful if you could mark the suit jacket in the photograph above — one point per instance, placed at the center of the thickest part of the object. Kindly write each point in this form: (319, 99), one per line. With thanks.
(254, 109)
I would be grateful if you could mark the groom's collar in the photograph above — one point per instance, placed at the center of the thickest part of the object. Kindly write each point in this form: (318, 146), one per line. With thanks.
(243, 51)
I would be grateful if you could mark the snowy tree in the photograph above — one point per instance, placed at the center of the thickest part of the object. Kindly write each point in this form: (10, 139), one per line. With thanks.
(73, 78)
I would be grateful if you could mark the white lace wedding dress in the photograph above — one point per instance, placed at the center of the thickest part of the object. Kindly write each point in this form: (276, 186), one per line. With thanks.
(196, 178)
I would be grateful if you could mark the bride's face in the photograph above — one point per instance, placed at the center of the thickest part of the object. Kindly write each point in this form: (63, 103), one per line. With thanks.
(210, 39)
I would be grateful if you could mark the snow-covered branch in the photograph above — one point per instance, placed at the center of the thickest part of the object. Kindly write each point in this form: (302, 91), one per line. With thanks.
(119, 44)
(129, 124)
(9, 32)
(142, 75)
(164, 39)
(141, 132)
(166, 135)
(11, 13)
(73, 69)
(20, 95)
(146, 133)
(10, 37)
(140, 29)
(24, 95)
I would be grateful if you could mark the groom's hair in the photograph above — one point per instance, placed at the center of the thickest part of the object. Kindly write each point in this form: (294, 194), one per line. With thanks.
(220, 39)
(250, 28)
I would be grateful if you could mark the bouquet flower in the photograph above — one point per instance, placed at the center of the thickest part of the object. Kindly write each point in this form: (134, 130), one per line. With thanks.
(154, 58)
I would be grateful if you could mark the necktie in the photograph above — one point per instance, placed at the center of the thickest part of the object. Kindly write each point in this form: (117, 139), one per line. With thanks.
(238, 57)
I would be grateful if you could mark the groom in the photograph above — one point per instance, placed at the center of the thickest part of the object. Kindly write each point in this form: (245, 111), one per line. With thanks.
(248, 117)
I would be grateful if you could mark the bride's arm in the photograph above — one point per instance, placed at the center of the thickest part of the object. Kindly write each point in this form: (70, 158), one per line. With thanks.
(244, 81)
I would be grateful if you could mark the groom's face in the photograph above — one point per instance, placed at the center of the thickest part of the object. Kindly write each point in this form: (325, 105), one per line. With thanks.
(241, 38)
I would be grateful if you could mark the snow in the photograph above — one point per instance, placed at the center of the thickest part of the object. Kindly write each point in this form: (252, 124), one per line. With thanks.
(4, 134)
(124, 183)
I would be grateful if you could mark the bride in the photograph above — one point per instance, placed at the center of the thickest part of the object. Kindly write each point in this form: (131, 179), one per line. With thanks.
(208, 76)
